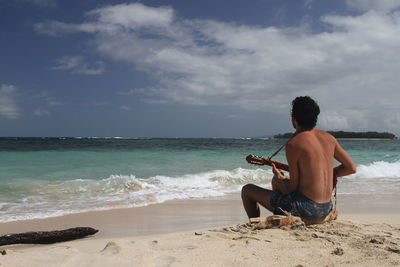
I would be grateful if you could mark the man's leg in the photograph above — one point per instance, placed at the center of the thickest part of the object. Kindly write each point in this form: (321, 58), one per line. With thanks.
(280, 185)
(252, 195)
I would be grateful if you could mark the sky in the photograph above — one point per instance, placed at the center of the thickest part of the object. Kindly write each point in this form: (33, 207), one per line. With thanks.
(185, 68)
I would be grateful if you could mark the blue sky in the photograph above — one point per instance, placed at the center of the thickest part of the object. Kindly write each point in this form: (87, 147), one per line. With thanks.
(196, 68)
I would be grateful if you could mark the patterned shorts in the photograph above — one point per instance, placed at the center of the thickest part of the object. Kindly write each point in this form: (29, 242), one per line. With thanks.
(299, 205)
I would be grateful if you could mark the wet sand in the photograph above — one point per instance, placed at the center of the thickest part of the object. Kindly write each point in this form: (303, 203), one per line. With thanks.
(183, 215)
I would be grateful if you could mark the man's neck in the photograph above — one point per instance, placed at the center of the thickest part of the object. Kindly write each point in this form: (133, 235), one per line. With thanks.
(301, 129)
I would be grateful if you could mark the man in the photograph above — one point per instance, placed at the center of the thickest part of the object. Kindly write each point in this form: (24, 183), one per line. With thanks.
(310, 155)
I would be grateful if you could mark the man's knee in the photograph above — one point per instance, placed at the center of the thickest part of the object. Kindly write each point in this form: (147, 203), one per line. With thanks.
(247, 189)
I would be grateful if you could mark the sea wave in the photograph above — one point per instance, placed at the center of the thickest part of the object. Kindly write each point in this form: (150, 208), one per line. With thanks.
(41, 199)
(378, 169)
(376, 178)
(50, 199)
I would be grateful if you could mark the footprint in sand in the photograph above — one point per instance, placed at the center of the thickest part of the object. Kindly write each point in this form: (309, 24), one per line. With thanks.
(393, 249)
(190, 247)
(338, 251)
(223, 236)
(376, 240)
(111, 249)
(165, 261)
(62, 247)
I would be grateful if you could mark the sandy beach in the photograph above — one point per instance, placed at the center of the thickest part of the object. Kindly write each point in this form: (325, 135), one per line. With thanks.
(211, 233)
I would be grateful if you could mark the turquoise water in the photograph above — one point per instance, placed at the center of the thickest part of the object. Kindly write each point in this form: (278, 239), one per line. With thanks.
(42, 177)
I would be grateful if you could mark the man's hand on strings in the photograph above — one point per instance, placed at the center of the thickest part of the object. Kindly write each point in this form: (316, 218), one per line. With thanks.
(278, 173)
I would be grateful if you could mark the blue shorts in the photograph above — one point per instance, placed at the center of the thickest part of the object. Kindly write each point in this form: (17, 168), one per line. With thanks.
(299, 205)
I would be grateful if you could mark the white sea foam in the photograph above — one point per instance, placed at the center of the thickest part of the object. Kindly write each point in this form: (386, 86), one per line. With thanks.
(118, 191)
(377, 178)
(378, 169)
(56, 198)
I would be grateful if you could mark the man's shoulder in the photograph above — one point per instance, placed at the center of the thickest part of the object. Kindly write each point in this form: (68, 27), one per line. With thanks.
(303, 139)
(324, 134)
(296, 142)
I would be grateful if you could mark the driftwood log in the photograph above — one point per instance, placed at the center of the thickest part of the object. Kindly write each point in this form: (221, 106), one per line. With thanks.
(277, 221)
(330, 217)
(47, 237)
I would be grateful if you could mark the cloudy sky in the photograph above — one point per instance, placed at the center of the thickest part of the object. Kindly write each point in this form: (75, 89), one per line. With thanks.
(183, 68)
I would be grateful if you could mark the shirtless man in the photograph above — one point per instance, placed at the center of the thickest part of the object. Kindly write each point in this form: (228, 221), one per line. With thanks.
(310, 155)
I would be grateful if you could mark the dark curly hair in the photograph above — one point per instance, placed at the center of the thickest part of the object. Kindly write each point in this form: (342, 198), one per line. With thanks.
(305, 110)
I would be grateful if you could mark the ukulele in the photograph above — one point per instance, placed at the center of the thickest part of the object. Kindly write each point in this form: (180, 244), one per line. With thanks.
(258, 160)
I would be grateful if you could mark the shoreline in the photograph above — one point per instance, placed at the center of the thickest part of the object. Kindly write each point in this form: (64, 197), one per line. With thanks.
(167, 217)
(209, 233)
(182, 215)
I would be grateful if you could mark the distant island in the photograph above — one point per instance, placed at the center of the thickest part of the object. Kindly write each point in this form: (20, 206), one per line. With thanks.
(349, 135)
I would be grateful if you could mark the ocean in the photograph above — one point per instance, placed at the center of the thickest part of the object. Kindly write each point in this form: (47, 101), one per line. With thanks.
(47, 177)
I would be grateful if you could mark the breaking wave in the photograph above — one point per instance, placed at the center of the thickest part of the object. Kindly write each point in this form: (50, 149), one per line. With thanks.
(378, 169)
(42, 199)
(50, 199)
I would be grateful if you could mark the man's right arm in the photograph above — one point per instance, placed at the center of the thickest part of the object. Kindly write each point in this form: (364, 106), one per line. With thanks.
(347, 165)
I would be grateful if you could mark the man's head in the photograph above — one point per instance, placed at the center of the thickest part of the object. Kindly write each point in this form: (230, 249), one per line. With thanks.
(305, 112)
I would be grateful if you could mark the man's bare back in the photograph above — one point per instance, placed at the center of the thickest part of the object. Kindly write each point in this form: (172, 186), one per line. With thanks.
(310, 155)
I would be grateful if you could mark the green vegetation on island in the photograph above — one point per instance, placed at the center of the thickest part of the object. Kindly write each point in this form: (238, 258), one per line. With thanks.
(355, 135)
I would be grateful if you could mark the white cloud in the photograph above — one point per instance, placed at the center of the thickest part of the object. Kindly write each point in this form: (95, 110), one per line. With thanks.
(308, 3)
(379, 5)
(78, 65)
(52, 102)
(344, 119)
(352, 70)
(154, 101)
(233, 116)
(49, 99)
(126, 108)
(53, 28)
(133, 16)
(135, 91)
(41, 112)
(123, 17)
(8, 106)
(101, 103)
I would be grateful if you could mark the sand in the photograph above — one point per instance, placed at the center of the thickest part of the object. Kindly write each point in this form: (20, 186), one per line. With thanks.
(210, 233)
